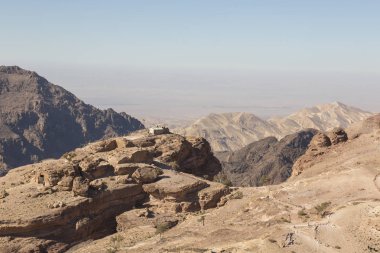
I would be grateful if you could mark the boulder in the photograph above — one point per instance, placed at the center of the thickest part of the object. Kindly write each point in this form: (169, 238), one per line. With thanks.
(66, 183)
(127, 168)
(132, 155)
(147, 174)
(338, 135)
(80, 186)
(320, 140)
(107, 146)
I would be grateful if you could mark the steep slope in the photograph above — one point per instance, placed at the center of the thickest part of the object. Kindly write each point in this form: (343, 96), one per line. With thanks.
(333, 206)
(267, 161)
(232, 131)
(40, 120)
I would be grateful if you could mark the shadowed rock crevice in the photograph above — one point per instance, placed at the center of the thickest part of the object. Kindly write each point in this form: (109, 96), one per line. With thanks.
(265, 162)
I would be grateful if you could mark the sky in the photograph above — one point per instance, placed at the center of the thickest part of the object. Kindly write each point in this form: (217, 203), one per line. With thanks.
(185, 59)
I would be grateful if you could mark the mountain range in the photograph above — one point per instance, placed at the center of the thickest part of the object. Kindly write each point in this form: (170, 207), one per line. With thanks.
(41, 120)
(232, 131)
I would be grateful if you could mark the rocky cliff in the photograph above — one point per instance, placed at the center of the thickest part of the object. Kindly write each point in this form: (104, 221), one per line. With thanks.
(41, 120)
(52, 205)
(332, 206)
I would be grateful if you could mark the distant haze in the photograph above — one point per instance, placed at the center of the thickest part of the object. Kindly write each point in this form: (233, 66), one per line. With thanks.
(185, 59)
(193, 93)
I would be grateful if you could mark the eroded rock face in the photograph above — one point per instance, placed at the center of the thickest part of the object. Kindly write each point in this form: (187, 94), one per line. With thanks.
(319, 145)
(179, 192)
(58, 203)
(338, 135)
(320, 140)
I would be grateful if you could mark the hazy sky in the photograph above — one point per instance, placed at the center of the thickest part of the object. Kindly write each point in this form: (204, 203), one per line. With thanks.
(189, 58)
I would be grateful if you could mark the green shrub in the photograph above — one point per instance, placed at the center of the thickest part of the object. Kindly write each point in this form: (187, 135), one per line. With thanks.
(321, 208)
(115, 244)
(223, 179)
(302, 212)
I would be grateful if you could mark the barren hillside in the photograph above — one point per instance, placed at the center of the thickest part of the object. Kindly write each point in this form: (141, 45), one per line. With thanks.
(232, 131)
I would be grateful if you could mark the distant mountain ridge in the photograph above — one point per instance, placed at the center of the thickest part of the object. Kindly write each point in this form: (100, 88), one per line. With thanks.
(41, 120)
(232, 131)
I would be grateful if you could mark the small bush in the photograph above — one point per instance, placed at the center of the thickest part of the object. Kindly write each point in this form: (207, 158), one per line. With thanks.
(264, 180)
(69, 155)
(236, 195)
(202, 219)
(162, 227)
(285, 220)
(115, 244)
(321, 208)
(223, 179)
(302, 213)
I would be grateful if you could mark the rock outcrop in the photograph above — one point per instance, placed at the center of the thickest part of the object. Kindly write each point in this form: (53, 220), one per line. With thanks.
(332, 206)
(319, 145)
(40, 120)
(337, 135)
(264, 162)
(55, 204)
(369, 125)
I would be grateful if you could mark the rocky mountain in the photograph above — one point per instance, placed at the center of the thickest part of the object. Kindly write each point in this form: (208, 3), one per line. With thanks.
(232, 131)
(132, 194)
(332, 206)
(137, 180)
(41, 120)
(322, 117)
(229, 131)
(267, 161)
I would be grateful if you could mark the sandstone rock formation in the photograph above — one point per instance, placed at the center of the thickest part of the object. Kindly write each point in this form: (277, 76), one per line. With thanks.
(52, 205)
(233, 131)
(333, 206)
(337, 135)
(267, 161)
(369, 125)
(40, 120)
(318, 146)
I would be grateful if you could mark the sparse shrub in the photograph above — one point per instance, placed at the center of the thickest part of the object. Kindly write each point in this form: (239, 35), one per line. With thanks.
(236, 195)
(115, 244)
(69, 155)
(223, 179)
(285, 220)
(272, 240)
(302, 213)
(202, 219)
(162, 227)
(264, 180)
(321, 208)
(337, 247)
